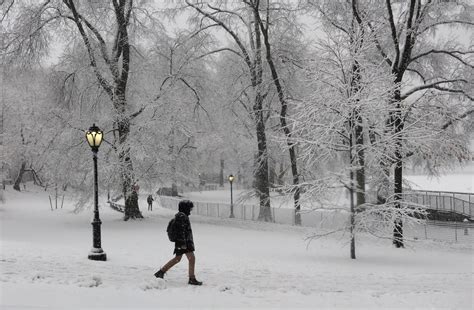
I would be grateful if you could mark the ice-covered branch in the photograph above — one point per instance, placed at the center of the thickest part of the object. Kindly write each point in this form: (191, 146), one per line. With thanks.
(457, 118)
(218, 51)
(434, 85)
(454, 54)
(77, 19)
(448, 22)
(227, 29)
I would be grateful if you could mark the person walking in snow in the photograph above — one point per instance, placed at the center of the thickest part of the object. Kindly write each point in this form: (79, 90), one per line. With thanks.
(150, 202)
(184, 243)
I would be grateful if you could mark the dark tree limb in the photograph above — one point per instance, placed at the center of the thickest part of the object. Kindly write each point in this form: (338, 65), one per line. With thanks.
(393, 30)
(102, 81)
(434, 85)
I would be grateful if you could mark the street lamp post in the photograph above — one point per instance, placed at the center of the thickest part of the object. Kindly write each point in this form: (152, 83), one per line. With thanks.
(231, 179)
(94, 138)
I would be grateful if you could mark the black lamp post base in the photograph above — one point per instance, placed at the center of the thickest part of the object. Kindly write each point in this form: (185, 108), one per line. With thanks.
(97, 254)
(231, 216)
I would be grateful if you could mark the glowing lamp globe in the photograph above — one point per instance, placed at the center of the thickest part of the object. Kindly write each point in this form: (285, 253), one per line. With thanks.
(94, 137)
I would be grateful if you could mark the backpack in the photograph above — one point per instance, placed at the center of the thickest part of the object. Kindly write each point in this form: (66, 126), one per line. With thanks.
(172, 230)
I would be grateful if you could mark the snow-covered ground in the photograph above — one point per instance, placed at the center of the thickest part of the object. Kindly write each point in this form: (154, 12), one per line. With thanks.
(460, 179)
(243, 265)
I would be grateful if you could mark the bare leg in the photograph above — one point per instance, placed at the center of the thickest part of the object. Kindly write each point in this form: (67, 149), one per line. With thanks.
(192, 263)
(171, 263)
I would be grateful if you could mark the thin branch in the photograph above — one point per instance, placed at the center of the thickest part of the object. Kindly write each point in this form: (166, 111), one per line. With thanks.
(457, 118)
(333, 23)
(418, 73)
(219, 10)
(201, 30)
(217, 51)
(462, 22)
(228, 30)
(198, 102)
(379, 47)
(434, 85)
(102, 81)
(103, 46)
(8, 9)
(137, 113)
(186, 145)
(450, 53)
(457, 91)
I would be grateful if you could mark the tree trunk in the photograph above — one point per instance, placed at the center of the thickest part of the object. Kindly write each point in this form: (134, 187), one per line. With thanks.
(132, 210)
(16, 185)
(271, 173)
(118, 62)
(281, 173)
(283, 118)
(356, 135)
(351, 193)
(398, 192)
(398, 171)
(360, 157)
(261, 168)
(221, 174)
(36, 178)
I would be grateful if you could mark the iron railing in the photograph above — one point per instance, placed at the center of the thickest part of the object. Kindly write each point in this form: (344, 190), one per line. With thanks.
(458, 232)
(312, 218)
(457, 202)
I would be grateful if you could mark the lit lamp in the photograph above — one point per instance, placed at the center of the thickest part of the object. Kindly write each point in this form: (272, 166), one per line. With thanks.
(94, 137)
(231, 179)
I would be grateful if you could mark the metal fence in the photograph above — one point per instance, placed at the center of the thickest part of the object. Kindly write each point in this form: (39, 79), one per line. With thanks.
(461, 203)
(327, 219)
(457, 232)
(315, 218)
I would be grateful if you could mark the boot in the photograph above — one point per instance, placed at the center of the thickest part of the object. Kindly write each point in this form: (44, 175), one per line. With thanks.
(193, 281)
(160, 274)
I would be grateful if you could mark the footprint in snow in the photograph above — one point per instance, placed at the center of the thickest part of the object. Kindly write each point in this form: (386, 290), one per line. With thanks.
(224, 288)
(94, 281)
(38, 277)
(153, 284)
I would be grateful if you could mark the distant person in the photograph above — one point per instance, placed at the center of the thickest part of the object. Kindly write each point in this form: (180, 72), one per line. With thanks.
(150, 202)
(180, 232)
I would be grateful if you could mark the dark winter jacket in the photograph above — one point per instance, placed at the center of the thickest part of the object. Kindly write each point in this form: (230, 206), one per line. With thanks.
(150, 199)
(185, 233)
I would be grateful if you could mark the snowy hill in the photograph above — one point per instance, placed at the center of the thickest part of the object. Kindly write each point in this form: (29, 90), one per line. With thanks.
(460, 179)
(242, 264)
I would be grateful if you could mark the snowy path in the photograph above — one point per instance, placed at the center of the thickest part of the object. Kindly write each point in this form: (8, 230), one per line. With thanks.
(251, 283)
(246, 265)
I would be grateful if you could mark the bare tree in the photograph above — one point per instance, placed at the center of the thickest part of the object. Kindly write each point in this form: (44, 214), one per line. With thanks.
(414, 59)
(264, 24)
(110, 61)
(250, 50)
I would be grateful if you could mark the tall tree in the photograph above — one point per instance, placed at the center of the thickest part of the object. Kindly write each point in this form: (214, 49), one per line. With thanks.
(24, 97)
(419, 65)
(264, 24)
(250, 50)
(110, 60)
